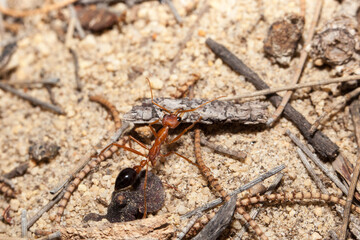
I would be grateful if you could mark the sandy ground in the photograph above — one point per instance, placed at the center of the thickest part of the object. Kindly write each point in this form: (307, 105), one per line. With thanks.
(106, 61)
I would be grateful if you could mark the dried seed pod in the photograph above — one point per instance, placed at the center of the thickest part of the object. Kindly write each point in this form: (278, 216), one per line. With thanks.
(128, 205)
(335, 43)
(43, 151)
(283, 38)
(96, 20)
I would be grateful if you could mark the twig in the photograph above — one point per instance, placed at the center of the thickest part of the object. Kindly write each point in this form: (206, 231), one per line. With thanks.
(240, 155)
(188, 37)
(322, 144)
(78, 26)
(311, 171)
(354, 108)
(26, 13)
(6, 54)
(44, 209)
(88, 156)
(338, 104)
(173, 10)
(214, 112)
(7, 181)
(108, 152)
(76, 70)
(302, 7)
(300, 65)
(318, 162)
(255, 212)
(250, 184)
(24, 223)
(293, 87)
(217, 224)
(49, 81)
(354, 222)
(16, 172)
(52, 236)
(32, 100)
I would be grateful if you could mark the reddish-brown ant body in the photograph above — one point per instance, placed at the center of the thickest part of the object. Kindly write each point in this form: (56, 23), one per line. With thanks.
(170, 121)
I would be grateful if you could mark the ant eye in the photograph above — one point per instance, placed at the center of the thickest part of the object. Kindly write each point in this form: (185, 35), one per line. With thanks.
(125, 178)
(179, 119)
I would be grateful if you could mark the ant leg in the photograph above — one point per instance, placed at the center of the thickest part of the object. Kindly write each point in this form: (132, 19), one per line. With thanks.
(152, 129)
(185, 130)
(126, 148)
(179, 155)
(138, 142)
(152, 98)
(145, 183)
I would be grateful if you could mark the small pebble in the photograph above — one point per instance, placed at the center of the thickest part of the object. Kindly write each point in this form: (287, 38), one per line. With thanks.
(82, 188)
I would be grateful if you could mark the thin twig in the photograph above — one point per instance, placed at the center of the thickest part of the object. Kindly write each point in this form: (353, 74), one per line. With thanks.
(76, 68)
(78, 26)
(293, 87)
(32, 100)
(48, 81)
(255, 211)
(44, 209)
(126, 127)
(311, 171)
(26, 13)
(338, 104)
(240, 155)
(24, 223)
(300, 65)
(173, 10)
(16, 172)
(7, 181)
(354, 222)
(250, 184)
(318, 162)
(321, 143)
(188, 37)
(52, 236)
(355, 108)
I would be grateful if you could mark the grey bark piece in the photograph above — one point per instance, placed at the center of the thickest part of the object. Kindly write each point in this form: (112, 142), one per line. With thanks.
(214, 228)
(214, 112)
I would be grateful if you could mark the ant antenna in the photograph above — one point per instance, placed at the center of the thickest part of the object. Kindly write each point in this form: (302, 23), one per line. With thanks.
(152, 99)
(191, 110)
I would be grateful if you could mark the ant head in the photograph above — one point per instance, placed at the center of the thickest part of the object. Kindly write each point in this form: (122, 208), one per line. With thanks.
(171, 120)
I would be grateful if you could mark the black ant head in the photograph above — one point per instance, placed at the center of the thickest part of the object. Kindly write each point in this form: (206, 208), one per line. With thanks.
(171, 120)
(125, 178)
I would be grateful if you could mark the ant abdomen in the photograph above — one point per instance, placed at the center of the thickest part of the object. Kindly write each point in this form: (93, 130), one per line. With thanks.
(125, 178)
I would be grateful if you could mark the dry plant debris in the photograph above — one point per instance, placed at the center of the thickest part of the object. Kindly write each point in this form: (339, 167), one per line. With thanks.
(115, 64)
(96, 20)
(337, 44)
(43, 151)
(283, 38)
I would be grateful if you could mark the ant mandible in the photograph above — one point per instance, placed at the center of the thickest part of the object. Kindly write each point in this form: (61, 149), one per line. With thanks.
(171, 120)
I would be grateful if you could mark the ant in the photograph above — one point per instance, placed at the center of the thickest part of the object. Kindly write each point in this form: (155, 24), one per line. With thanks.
(171, 120)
